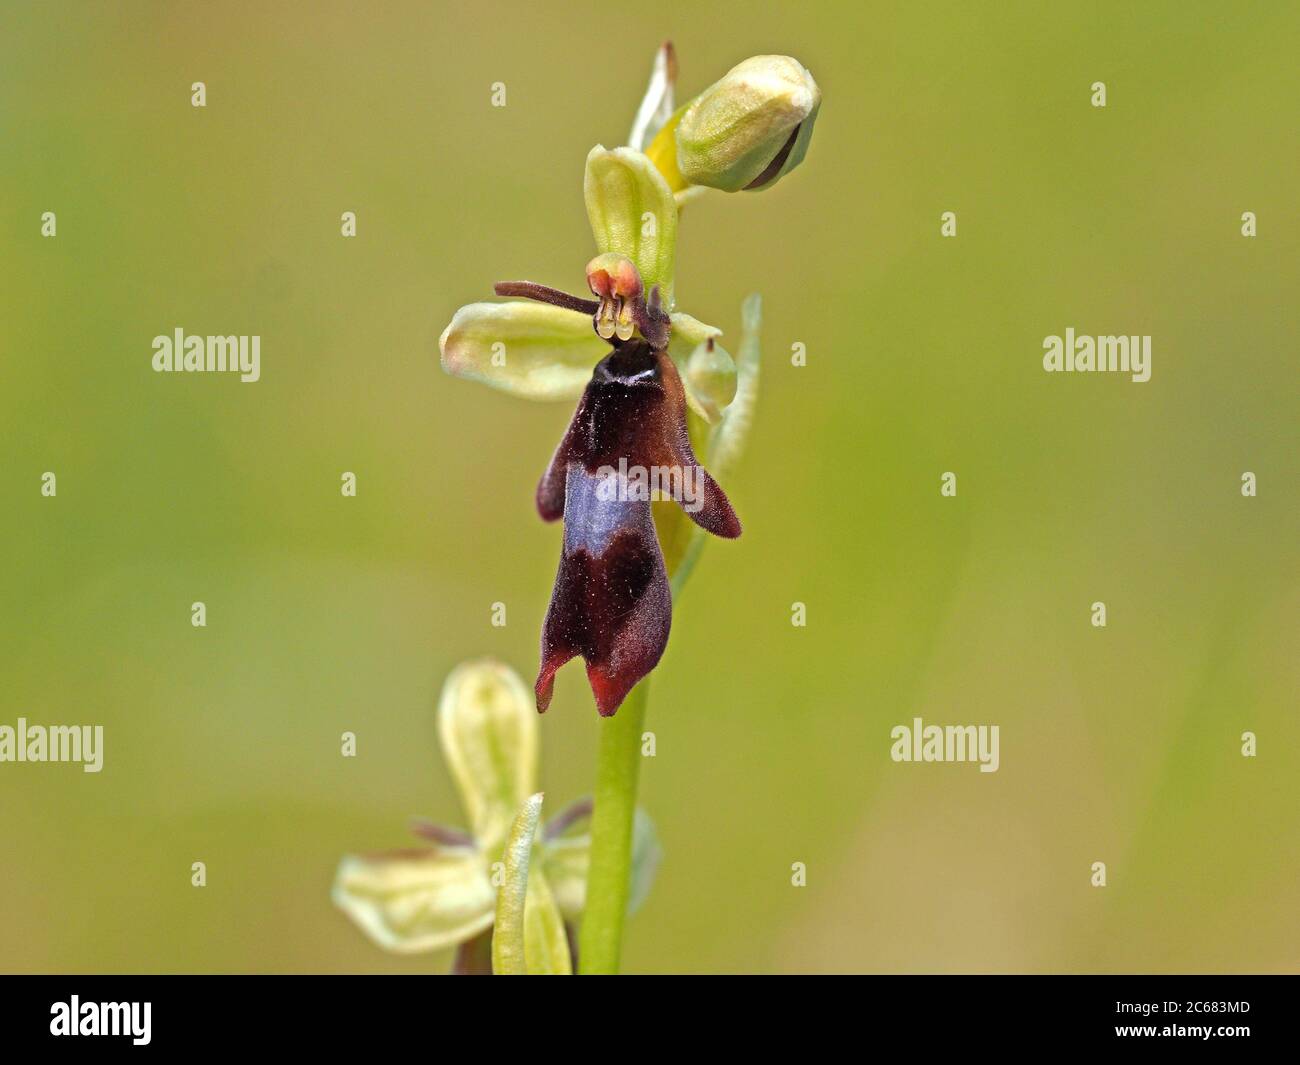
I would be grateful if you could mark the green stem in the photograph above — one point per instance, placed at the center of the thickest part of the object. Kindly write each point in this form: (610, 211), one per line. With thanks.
(618, 764)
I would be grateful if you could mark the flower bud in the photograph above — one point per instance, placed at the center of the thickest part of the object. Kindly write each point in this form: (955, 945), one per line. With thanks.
(751, 128)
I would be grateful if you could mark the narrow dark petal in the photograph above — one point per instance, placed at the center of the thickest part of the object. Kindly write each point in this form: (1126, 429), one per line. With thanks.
(448, 837)
(474, 956)
(550, 489)
(545, 294)
(576, 811)
(611, 604)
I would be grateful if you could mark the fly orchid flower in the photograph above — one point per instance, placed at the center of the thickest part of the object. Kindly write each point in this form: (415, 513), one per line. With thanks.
(445, 893)
(611, 603)
(637, 364)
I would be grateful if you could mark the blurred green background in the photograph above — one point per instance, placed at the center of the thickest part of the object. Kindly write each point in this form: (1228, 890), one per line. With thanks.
(328, 614)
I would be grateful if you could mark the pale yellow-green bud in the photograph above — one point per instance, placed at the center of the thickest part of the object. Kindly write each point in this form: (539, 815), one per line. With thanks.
(751, 128)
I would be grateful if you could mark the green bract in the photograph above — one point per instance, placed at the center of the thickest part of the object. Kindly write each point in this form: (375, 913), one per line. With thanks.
(727, 440)
(682, 540)
(529, 937)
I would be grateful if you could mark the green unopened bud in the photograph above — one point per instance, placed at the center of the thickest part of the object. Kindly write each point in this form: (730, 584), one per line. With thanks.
(751, 128)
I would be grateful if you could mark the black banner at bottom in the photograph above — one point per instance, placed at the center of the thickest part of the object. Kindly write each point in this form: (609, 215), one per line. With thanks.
(336, 1013)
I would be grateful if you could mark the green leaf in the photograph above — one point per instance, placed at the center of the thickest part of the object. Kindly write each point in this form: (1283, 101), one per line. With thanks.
(416, 900)
(567, 858)
(707, 370)
(487, 723)
(531, 350)
(633, 213)
(528, 937)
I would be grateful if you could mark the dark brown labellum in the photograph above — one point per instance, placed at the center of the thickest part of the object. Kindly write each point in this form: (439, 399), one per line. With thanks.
(611, 603)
